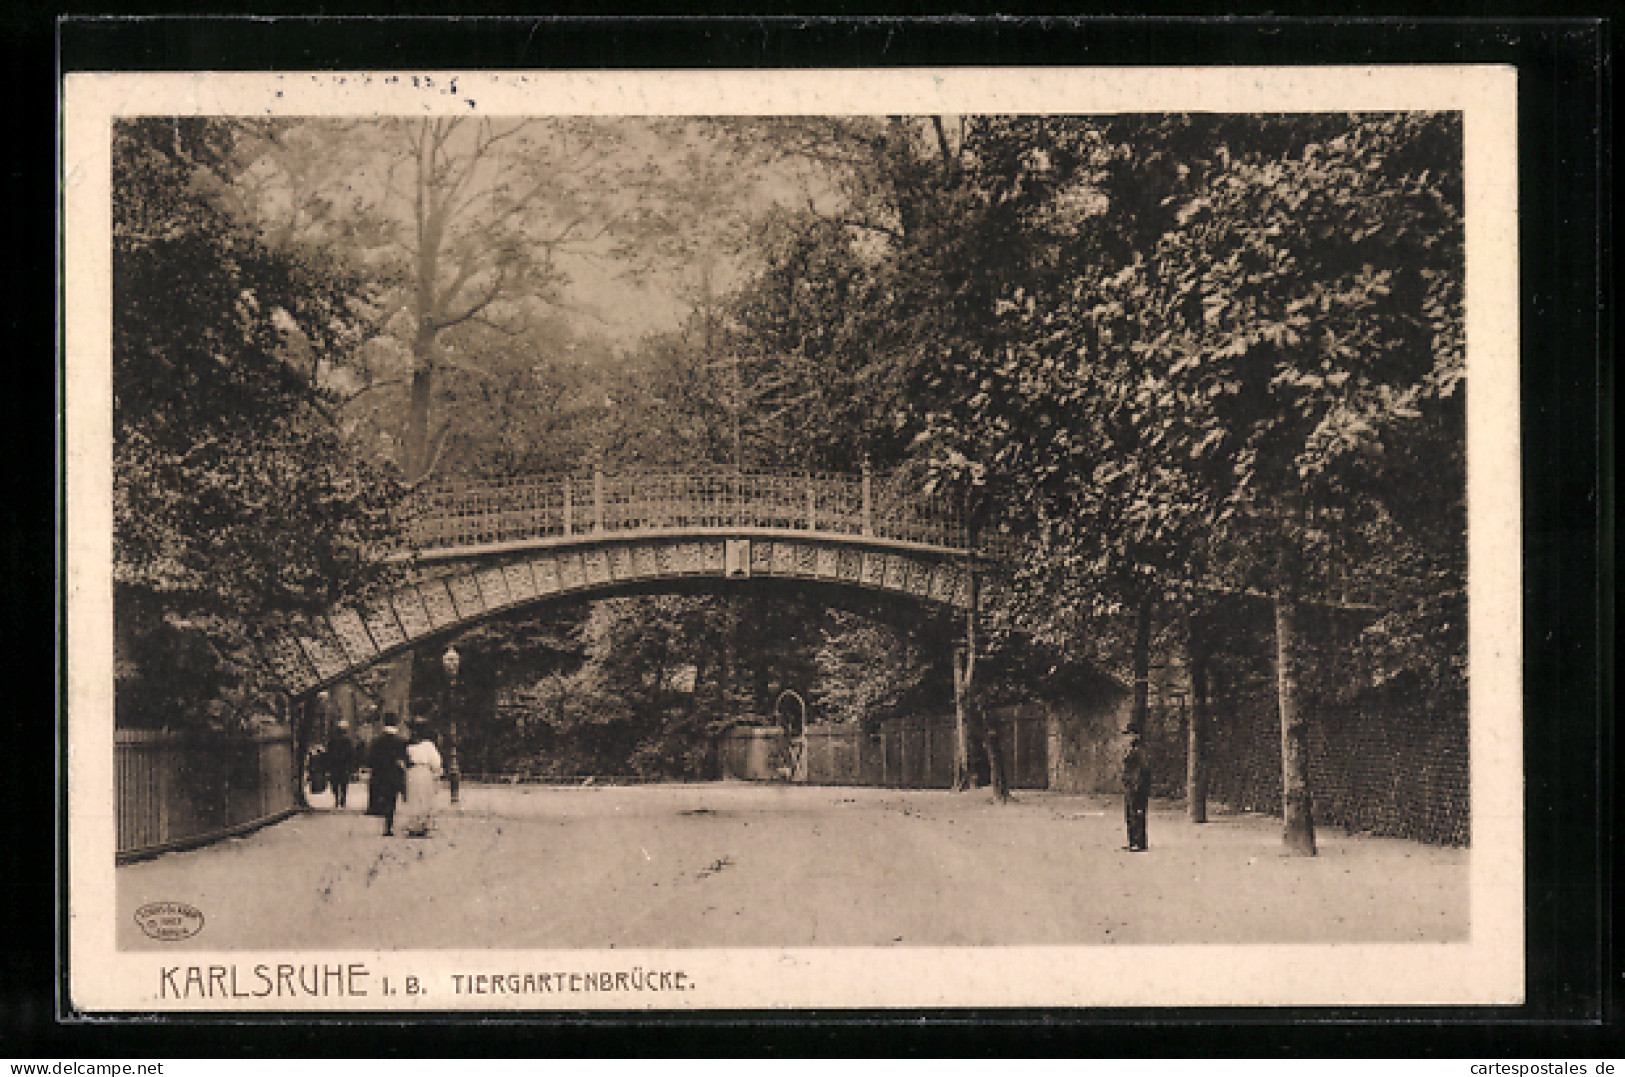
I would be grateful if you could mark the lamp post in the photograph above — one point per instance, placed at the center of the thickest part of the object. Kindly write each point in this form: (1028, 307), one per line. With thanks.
(318, 728)
(451, 661)
(315, 735)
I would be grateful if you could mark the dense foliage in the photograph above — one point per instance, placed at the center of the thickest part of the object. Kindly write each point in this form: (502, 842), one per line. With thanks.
(1175, 363)
(644, 685)
(1186, 359)
(1224, 356)
(235, 497)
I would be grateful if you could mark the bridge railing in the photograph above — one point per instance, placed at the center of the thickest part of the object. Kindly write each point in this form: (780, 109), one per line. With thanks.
(481, 512)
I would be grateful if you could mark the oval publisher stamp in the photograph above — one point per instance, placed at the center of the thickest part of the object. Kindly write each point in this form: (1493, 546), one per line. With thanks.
(169, 921)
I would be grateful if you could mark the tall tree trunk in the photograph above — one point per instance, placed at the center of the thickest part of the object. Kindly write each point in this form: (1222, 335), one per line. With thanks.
(994, 748)
(1142, 667)
(415, 438)
(990, 733)
(302, 734)
(961, 731)
(415, 463)
(1196, 748)
(729, 659)
(1296, 807)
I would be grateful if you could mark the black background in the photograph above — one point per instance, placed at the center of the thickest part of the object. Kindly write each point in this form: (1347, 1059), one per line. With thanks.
(1566, 251)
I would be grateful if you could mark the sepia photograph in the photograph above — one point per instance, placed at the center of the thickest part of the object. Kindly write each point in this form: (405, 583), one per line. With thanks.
(674, 541)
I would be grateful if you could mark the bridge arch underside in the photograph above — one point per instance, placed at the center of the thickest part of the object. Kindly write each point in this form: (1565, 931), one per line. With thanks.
(454, 589)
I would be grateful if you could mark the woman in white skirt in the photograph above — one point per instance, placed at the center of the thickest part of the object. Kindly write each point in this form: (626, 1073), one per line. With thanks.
(422, 782)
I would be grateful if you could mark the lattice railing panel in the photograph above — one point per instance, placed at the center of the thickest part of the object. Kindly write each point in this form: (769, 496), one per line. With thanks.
(484, 512)
(464, 513)
(902, 511)
(837, 503)
(769, 500)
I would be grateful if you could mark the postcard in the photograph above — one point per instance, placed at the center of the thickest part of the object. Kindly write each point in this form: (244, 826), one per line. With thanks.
(693, 540)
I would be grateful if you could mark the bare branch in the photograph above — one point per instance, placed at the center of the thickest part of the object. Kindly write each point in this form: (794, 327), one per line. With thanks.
(942, 144)
(468, 266)
(852, 222)
(390, 187)
(484, 301)
(434, 459)
(465, 368)
(460, 210)
(585, 312)
(364, 390)
(482, 320)
(481, 147)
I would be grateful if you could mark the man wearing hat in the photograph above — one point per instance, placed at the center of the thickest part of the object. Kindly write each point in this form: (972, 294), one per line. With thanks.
(387, 760)
(340, 762)
(1136, 790)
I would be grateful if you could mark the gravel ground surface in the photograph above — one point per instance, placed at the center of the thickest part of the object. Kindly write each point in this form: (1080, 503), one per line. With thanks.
(737, 864)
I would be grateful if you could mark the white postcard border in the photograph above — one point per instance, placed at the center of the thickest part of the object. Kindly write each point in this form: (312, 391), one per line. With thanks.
(1487, 969)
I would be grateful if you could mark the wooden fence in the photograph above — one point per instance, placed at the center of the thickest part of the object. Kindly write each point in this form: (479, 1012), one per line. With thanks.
(173, 790)
(916, 753)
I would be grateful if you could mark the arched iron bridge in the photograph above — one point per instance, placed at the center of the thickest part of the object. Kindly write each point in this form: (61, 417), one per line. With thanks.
(477, 548)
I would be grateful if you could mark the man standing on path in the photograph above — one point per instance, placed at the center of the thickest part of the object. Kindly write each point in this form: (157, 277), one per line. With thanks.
(340, 762)
(1136, 791)
(387, 760)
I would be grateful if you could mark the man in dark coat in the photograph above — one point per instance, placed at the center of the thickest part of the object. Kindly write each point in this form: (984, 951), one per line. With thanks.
(387, 760)
(340, 762)
(1136, 791)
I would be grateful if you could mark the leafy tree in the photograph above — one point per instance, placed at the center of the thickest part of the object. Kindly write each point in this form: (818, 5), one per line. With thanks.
(503, 659)
(1204, 333)
(462, 224)
(670, 405)
(652, 676)
(539, 402)
(1204, 404)
(1312, 300)
(862, 292)
(235, 497)
(872, 667)
(1038, 418)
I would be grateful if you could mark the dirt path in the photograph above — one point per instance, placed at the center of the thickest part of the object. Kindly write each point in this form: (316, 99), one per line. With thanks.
(751, 865)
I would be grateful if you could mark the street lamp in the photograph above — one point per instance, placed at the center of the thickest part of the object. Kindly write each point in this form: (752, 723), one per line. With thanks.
(315, 734)
(319, 732)
(451, 662)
